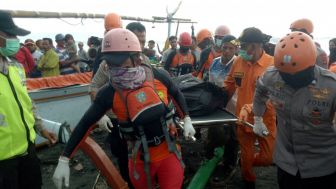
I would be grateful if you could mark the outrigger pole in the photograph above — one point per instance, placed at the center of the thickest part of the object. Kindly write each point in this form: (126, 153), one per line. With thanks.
(44, 14)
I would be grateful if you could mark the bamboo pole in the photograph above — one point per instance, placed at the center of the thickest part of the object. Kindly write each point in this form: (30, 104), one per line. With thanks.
(44, 14)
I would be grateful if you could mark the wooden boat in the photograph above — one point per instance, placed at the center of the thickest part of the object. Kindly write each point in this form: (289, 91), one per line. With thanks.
(60, 99)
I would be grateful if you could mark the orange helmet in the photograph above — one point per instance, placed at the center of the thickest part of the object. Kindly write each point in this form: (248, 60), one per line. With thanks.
(185, 39)
(222, 31)
(120, 40)
(203, 34)
(295, 52)
(303, 24)
(111, 21)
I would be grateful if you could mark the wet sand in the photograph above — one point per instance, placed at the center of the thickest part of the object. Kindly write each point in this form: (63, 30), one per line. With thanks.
(85, 178)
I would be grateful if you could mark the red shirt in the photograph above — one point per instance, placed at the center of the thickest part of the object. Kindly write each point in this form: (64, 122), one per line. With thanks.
(26, 59)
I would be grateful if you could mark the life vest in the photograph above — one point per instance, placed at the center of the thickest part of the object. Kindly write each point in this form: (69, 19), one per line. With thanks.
(204, 70)
(16, 115)
(145, 107)
(182, 64)
(142, 114)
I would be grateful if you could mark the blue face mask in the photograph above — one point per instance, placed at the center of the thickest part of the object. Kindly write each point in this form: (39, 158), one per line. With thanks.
(245, 56)
(11, 48)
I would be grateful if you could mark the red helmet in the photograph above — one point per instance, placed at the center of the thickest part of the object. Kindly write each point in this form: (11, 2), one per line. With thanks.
(111, 21)
(203, 34)
(303, 24)
(294, 53)
(222, 31)
(120, 40)
(185, 39)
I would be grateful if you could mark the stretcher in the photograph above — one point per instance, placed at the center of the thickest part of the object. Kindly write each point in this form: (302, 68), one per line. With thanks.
(220, 117)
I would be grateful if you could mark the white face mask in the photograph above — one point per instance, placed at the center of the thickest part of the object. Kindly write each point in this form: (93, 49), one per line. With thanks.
(218, 42)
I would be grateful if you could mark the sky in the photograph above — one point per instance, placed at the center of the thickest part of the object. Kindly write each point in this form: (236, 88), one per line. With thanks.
(273, 17)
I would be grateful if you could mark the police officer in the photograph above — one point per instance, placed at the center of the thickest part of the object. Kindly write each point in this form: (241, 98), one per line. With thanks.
(19, 165)
(303, 95)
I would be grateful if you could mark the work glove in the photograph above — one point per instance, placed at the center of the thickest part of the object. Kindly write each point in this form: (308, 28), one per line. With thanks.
(62, 172)
(189, 130)
(260, 128)
(105, 123)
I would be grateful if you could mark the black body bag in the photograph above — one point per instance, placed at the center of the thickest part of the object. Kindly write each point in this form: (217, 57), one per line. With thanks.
(202, 97)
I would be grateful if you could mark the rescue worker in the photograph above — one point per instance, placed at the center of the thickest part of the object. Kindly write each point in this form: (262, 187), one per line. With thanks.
(19, 164)
(212, 52)
(182, 61)
(247, 67)
(204, 39)
(303, 95)
(138, 95)
(111, 20)
(305, 25)
(118, 145)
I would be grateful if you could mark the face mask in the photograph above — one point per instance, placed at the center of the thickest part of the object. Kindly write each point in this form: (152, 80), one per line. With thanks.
(184, 49)
(127, 78)
(218, 42)
(12, 47)
(245, 56)
(300, 79)
(205, 44)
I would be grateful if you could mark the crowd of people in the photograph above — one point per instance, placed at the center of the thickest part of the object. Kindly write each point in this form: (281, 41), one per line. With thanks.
(286, 90)
(41, 58)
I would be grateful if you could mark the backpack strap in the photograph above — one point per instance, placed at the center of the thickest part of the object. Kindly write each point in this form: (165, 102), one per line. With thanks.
(171, 143)
(146, 155)
(138, 143)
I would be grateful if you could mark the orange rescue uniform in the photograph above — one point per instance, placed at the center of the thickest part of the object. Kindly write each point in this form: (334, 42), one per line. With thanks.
(242, 77)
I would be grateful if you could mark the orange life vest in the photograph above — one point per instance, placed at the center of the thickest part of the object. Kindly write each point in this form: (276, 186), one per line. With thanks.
(182, 64)
(142, 118)
(145, 106)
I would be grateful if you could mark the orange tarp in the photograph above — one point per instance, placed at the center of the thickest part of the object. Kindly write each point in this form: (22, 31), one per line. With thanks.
(59, 81)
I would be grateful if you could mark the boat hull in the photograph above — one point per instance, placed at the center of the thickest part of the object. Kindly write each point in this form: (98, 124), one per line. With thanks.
(67, 104)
